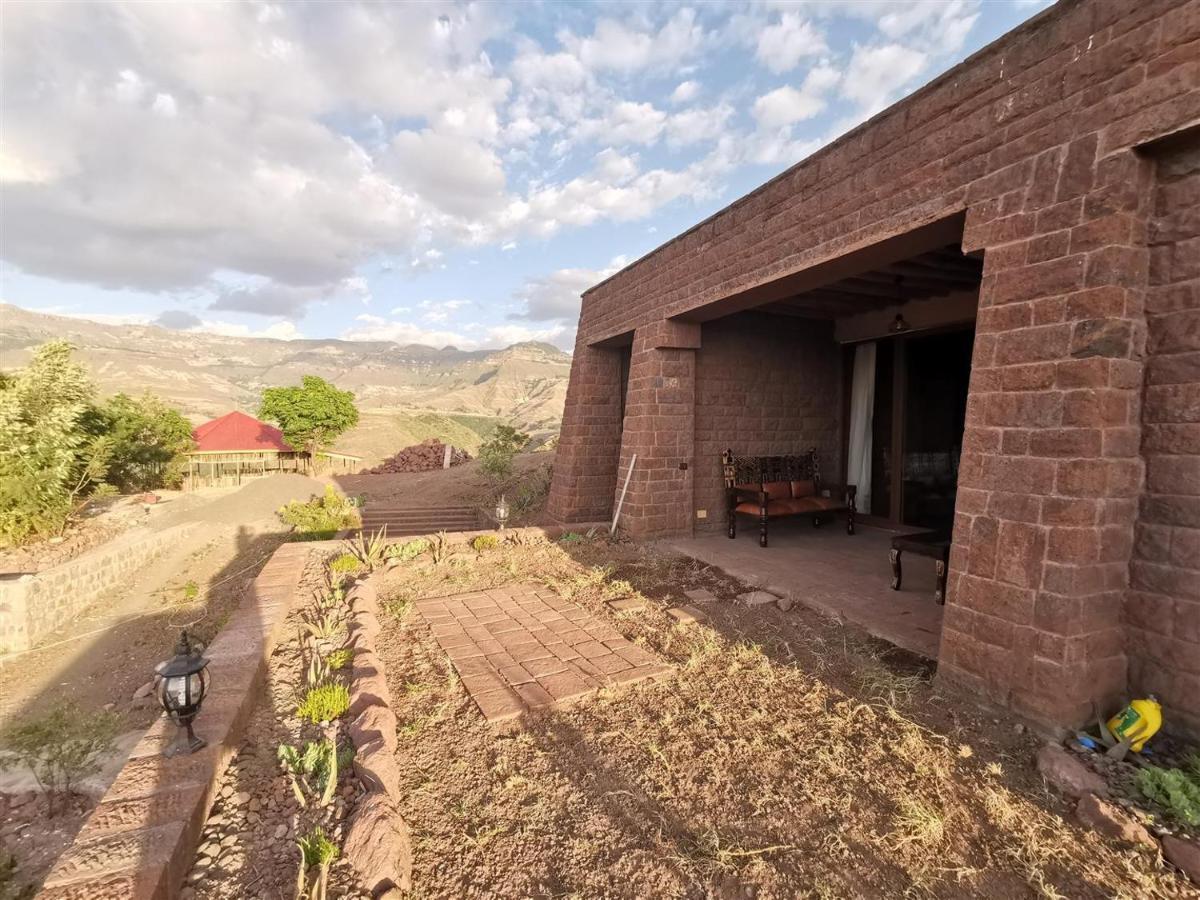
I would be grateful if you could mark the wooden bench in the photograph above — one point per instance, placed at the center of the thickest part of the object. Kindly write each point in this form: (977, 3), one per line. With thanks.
(771, 487)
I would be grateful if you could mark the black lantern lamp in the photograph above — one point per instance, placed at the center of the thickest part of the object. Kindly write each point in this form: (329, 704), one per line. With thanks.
(502, 511)
(182, 684)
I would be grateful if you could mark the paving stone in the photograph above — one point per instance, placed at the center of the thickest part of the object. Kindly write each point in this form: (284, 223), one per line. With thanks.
(534, 652)
(687, 615)
(701, 595)
(627, 604)
(757, 598)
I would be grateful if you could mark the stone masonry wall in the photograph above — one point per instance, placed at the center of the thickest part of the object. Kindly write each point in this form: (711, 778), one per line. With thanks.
(1162, 608)
(1035, 139)
(764, 385)
(34, 605)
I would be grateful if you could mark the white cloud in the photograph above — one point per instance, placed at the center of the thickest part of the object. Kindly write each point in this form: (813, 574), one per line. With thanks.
(627, 122)
(696, 125)
(685, 92)
(781, 46)
(877, 73)
(616, 46)
(556, 296)
(787, 105)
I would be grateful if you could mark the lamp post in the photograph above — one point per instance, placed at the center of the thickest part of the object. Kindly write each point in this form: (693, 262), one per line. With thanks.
(182, 685)
(502, 511)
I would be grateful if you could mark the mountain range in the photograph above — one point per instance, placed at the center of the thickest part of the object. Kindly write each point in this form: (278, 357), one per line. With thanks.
(206, 375)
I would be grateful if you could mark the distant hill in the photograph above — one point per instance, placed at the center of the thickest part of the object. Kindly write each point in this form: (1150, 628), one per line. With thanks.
(421, 390)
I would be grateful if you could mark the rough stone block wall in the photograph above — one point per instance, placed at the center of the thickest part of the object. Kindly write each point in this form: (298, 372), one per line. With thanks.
(34, 605)
(765, 385)
(585, 466)
(1162, 607)
(659, 424)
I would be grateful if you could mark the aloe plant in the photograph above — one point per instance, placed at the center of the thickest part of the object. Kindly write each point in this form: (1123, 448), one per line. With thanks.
(316, 852)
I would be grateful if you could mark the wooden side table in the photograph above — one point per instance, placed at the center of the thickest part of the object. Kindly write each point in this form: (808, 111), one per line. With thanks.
(934, 544)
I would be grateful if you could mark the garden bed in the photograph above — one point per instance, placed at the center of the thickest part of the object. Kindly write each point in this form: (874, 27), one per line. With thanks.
(249, 844)
(789, 756)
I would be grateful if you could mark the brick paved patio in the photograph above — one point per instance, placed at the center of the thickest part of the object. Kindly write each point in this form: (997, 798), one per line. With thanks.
(523, 648)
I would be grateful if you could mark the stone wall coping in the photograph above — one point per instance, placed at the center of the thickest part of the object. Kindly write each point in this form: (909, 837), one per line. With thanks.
(140, 840)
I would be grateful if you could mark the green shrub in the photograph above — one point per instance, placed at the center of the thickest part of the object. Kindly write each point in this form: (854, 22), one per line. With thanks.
(61, 747)
(497, 452)
(345, 564)
(324, 703)
(321, 517)
(483, 542)
(407, 551)
(570, 537)
(1174, 790)
(339, 659)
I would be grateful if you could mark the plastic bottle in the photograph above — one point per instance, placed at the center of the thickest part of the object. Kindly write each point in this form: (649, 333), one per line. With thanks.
(1137, 723)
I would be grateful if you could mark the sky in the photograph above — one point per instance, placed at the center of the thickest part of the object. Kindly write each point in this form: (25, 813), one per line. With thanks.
(436, 173)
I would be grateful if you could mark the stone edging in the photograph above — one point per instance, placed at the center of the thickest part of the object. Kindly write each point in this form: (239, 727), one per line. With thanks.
(139, 842)
(377, 841)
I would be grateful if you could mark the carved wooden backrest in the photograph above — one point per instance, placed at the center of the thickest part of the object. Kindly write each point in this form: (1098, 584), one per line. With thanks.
(762, 469)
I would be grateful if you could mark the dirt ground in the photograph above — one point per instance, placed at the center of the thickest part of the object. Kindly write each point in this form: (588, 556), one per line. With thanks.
(788, 756)
(463, 485)
(100, 659)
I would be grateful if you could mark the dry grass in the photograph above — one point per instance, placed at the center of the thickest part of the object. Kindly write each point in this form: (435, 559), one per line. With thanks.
(788, 755)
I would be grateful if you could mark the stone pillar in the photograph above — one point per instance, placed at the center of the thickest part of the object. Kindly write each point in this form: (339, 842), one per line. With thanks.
(660, 417)
(586, 463)
(1050, 468)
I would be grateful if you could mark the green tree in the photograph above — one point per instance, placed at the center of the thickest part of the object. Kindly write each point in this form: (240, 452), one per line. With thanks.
(51, 450)
(497, 452)
(149, 440)
(312, 415)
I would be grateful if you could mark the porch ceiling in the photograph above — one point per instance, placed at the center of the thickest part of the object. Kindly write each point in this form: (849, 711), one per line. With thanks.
(935, 273)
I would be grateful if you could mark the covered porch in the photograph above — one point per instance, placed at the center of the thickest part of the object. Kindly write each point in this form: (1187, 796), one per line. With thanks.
(840, 576)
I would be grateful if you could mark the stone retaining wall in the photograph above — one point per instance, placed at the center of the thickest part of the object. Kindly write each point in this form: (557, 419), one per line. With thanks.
(377, 842)
(140, 840)
(32, 606)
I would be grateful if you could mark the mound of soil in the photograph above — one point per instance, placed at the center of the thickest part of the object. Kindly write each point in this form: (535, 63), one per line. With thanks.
(423, 457)
(257, 499)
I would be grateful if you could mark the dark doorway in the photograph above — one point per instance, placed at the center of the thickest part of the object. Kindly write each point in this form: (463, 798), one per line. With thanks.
(920, 404)
(938, 373)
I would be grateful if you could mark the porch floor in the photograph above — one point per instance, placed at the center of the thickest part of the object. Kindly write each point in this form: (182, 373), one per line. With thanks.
(833, 573)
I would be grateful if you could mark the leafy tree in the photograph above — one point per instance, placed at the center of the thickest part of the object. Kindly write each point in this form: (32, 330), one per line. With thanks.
(497, 452)
(51, 452)
(58, 448)
(148, 438)
(311, 416)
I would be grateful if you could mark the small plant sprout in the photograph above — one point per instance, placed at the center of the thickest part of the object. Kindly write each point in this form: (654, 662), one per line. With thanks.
(313, 771)
(191, 591)
(484, 542)
(369, 551)
(324, 703)
(345, 564)
(323, 626)
(316, 852)
(439, 548)
(407, 551)
(60, 748)
(318, 671)
(339, 659)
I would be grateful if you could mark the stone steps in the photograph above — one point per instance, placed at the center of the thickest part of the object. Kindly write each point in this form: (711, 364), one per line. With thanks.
(402, 521)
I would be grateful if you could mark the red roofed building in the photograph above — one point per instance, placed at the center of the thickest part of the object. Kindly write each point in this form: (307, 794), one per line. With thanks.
(236, 446)
(237, 431)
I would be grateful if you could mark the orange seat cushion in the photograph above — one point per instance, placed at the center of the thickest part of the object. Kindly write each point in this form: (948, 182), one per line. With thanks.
(778, 490)
(803, 489)
(774, 508)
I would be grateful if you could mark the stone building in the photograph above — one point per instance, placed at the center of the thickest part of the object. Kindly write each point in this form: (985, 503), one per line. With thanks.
(1018, 242)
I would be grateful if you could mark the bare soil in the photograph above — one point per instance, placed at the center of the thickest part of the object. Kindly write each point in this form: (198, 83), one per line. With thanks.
(102, 658)
(461, 485)
(789, 756)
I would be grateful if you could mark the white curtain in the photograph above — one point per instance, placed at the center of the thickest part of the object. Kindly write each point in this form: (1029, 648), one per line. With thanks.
(862, 412)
